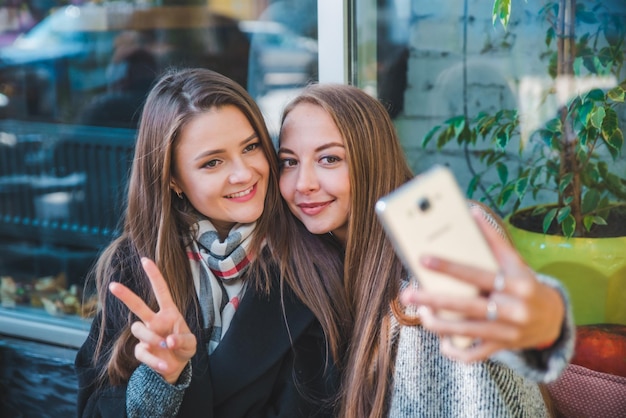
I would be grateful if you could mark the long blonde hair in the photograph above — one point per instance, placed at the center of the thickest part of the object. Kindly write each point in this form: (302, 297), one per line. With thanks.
(372, 272)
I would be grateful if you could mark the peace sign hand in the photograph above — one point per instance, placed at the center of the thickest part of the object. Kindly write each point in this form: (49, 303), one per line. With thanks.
(165, 341)
(513, 311)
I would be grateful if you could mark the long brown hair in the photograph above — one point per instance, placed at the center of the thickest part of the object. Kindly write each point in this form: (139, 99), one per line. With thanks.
(372, 272)
(157, 222)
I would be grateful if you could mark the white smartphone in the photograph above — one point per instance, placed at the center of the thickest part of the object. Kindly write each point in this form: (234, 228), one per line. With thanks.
(430, 215)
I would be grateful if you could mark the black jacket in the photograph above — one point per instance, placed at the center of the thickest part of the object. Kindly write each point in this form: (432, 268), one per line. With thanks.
(259, 369)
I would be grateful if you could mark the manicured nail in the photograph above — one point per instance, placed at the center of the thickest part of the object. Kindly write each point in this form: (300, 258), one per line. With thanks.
(429, 261)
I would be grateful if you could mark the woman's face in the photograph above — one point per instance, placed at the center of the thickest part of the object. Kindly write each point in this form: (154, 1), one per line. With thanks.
(314, 178)
(220, 167)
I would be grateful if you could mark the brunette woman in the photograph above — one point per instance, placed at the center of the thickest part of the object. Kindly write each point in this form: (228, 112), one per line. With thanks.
(339, 153)
(223, 322)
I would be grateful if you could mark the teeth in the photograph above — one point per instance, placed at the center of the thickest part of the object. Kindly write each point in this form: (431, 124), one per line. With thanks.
(240, 194)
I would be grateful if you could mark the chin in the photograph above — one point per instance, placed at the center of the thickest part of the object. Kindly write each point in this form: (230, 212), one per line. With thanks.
(316, 229)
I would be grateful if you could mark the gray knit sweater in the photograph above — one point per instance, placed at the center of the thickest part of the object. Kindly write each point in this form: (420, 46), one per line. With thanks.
(427, 384)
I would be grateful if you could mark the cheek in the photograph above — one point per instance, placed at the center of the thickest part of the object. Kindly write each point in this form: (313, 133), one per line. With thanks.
(285, 183)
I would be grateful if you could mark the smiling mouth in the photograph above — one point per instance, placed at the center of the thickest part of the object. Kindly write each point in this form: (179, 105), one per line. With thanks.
(313, 205)
(312, 209)
(240, 194)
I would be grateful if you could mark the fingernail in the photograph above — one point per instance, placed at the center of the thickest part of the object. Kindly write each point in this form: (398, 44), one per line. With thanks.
(429, 261)
(162, 365)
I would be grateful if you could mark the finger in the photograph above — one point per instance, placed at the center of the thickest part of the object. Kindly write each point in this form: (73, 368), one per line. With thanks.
(497, 331)
(132, 301)
(144, 354)
(159, 286)
(147, 336)
(410, 296)
(478, 352)
(184, 344)
(501, 248)
(510, 308)
(470, 274)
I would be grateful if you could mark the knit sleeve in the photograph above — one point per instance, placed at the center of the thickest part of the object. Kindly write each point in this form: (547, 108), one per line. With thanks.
(148, 395)
(538, 365)
(545, 365)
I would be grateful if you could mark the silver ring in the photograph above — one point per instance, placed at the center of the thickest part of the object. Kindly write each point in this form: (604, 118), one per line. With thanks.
(498, 282)
(492, 310)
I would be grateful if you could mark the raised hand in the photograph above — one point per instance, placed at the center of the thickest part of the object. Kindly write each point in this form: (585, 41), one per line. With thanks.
(165, 342)
(513, 311)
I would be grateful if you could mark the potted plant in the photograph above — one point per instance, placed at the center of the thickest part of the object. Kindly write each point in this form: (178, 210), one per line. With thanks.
(571, 161)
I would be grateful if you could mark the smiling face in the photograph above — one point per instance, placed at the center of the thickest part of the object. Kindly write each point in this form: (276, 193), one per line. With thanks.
(314, 177)
(220, 167)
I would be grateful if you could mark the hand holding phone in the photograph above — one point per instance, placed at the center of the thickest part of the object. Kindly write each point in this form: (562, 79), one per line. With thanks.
(429, 215)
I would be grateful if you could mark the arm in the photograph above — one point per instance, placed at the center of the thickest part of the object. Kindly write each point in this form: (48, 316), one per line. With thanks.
(529, 312)
(545, 364)
(145, 393)
(149, 395)
(94, 399)
(165, 345)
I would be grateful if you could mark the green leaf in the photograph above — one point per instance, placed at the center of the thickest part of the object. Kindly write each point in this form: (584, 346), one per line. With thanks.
(554, 125)
(520, 186)
(546, 136)
(565, 181)
(465, 135)
(563, 213)
(538, 210)
(609, 124)
(550, 35)
(503, 172)
(502, 138)
(584, 110)
(617, 94)
(595, 94)
(429, 135)
(471, 187)
(457, 121)
(445, 136)
(568, 226)
(590, 200)
(597, 116)
(577, 65)
(501, 11)
(615, 143)
(588, 222)
(547, 220)
(505, 195)
(599, 220)
(586, 17)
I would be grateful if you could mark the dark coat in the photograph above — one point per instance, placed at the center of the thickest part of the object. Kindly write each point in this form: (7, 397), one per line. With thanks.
(255, 371)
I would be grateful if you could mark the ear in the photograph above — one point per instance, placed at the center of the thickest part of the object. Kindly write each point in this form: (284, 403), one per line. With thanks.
(174, 186)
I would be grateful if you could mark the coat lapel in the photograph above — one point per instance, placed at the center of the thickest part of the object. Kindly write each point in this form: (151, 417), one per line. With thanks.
(256, 340)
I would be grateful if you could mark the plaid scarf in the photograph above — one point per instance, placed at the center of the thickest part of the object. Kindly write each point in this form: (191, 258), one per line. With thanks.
(217, 269)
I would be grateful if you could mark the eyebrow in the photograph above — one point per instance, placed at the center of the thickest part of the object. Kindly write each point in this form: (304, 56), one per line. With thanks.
(217, 151)
(318, 149)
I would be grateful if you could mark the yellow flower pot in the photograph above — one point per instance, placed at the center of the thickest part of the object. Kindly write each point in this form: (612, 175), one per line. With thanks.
(593, 271)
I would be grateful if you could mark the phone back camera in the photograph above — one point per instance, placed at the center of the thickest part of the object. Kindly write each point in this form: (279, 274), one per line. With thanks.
(423, 204)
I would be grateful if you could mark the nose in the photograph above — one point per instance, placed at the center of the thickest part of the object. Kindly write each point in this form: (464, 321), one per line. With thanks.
(307, 180)
(241, 173)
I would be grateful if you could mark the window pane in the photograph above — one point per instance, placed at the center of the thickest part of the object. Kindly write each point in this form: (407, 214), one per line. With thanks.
(72, 82)
(500, 106)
